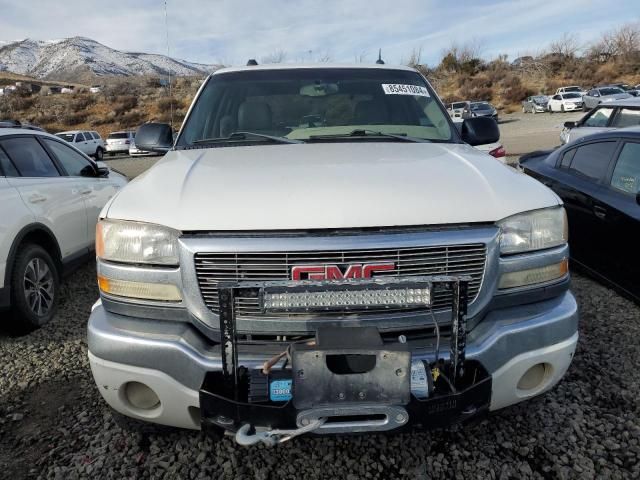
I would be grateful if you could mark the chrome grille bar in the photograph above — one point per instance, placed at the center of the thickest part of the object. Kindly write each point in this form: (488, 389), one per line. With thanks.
(211, 268)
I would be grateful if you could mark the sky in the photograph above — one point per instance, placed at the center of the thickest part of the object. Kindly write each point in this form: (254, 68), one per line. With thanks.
(230, 32)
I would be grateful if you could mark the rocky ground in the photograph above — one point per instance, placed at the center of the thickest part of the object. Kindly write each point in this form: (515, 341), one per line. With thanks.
(54, 424)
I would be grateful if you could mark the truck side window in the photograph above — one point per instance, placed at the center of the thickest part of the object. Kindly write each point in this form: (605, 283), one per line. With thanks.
(592, 160)
(626, 175)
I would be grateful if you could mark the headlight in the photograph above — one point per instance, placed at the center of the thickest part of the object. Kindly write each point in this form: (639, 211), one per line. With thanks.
(134, 242)
(534, 230)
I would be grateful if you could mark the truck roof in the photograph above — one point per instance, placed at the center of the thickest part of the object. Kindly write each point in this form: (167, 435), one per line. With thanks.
(293, 66)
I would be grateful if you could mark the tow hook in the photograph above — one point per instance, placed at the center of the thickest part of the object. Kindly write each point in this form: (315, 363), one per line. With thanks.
(274, 437)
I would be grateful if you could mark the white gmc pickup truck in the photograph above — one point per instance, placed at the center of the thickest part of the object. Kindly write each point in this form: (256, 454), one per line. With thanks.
(322, 251)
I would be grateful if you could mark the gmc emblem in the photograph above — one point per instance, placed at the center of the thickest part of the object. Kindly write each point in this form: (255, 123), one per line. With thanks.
(334, 272)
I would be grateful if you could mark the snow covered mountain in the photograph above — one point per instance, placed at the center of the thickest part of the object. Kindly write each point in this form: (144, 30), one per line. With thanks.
(72, 59)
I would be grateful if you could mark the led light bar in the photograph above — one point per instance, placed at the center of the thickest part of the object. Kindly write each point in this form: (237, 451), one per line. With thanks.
(330, 296)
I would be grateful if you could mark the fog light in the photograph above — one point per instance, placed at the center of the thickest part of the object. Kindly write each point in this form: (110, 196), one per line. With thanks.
(532, 276)
(534, 377)
(142, 290)
(141, 396)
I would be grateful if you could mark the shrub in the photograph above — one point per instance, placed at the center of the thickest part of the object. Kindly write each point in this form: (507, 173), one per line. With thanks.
(513, 91)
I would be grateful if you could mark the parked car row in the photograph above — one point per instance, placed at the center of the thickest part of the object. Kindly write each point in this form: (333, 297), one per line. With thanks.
(572, 98)
(467, 109)
(90, 143)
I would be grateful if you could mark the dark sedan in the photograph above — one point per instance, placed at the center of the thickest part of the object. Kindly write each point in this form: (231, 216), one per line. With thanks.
(598, 178)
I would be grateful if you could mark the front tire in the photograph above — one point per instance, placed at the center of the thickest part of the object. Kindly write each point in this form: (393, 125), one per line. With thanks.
(34, 288)
(99, 154)
(562, 108)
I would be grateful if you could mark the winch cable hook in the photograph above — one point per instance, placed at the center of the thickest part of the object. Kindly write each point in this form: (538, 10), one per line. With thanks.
(273, 437)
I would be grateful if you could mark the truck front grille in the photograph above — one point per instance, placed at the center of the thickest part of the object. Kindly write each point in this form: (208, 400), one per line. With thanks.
(212, 268)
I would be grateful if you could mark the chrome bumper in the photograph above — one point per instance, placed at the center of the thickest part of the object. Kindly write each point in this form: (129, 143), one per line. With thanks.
(179, 350)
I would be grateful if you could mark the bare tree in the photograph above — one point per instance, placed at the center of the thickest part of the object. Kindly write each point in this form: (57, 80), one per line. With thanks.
(278, 56)
(415, 57)
(566, 46)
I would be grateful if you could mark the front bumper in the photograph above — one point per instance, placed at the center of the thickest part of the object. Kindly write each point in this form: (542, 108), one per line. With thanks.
(123, 148)
(173, 358)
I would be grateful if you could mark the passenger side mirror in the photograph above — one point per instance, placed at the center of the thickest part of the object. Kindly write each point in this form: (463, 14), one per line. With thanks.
(480, 130)
(154, 137)
(569, 125)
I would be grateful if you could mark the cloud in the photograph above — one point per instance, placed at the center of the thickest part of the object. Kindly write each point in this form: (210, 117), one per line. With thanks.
(230, 32)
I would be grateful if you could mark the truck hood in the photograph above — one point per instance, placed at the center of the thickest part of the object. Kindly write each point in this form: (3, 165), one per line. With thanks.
(327, 185)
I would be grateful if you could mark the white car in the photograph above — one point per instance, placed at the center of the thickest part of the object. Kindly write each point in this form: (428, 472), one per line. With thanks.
(88, 142)
(571, 89)
(119, 142)
(565, 102)
(51, 197)
(290, 262)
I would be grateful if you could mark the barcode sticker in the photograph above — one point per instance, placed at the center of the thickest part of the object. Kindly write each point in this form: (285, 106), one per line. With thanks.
(401, 89)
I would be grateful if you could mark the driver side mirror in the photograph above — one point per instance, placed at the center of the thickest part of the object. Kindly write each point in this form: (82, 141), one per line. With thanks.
(570, 125)
(480, 130)
(154, 137)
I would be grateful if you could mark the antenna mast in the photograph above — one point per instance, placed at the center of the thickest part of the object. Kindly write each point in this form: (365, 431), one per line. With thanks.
(166, 26)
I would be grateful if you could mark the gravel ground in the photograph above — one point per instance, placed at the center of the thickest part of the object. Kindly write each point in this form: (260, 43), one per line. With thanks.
(522, 133)
(54, 424)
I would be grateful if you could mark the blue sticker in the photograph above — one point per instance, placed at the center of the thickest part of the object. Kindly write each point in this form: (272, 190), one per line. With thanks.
(280, 390)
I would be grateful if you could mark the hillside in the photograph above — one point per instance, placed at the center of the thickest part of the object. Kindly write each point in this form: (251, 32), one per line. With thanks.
(80, 60)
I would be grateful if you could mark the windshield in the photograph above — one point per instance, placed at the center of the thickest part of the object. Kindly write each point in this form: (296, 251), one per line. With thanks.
(68, 137)
(117, 135)
(572, 89)
(611, 91)
(572, 95)
(303, 104)
(540, 99)
(480, 106)
(455, 106)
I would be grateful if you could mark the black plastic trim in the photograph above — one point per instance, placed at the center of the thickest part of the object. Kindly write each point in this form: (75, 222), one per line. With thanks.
(34, 227)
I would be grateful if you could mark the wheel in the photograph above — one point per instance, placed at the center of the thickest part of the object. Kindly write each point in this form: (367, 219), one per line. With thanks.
(550, 109)
(34, 288)
(562, 108)
(99, 154)
(111, 154)
(524, 109)
(533, 110)
(584, 107)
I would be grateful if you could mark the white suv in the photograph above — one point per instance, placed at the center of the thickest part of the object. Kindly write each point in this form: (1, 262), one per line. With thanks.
(51, 197)
(87, 142)
(119, 142)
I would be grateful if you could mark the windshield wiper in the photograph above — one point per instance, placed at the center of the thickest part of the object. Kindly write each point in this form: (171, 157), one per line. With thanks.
(244, 136)
(372, 133)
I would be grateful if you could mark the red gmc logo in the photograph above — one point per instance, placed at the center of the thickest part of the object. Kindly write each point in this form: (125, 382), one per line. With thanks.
(334, 272)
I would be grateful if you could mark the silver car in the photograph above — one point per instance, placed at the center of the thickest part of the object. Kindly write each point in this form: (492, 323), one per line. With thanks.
(483, 109)
(615, 114)
(535, 104)
(599, 95)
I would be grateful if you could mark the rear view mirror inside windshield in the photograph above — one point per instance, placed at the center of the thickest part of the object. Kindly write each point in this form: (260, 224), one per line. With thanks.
(319, 89)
